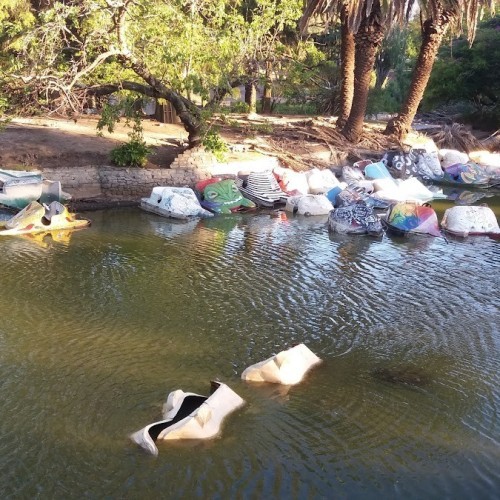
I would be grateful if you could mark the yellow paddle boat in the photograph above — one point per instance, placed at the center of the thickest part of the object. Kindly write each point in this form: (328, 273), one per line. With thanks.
(36, 218)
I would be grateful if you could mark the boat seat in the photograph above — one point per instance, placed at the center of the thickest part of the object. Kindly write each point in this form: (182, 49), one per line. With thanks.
(55, 208)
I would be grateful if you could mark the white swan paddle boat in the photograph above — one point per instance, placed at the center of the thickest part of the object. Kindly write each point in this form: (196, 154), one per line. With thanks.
(187, 415)
(174, 202)
(287, 367)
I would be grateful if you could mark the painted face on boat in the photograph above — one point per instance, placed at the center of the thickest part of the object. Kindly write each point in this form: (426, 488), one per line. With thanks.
(224, 197)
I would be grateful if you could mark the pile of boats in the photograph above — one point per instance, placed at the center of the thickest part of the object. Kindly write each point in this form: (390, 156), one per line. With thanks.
(369, 197)
(40, 202)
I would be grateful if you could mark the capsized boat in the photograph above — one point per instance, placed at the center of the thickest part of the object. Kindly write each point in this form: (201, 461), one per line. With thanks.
(175, 202)
(469, 174)
(410, 217)
(263, 188)
(287, 367)
(36, 218)
(187, 415)
(471, 220)
(309, 204)
(222, 196)
(18, 188)
(417, 163)
(357, 218)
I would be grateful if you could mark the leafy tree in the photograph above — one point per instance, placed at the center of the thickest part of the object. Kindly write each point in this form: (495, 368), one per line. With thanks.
(189, 53)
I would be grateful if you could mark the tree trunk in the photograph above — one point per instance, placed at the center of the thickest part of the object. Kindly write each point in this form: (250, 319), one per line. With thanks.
(266, 98)
(382, 68)
(432, 36)
(251, 96)
(368, 40)
(347, 54)
(186, 110)
(190, 119)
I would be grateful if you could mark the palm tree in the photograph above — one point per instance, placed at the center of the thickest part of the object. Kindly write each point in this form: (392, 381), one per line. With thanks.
(439, 16)
(347, 58)
(365, 22)
(332, 9)
(368, 38)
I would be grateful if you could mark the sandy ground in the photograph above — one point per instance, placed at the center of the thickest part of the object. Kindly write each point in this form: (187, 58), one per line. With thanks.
(49, 142)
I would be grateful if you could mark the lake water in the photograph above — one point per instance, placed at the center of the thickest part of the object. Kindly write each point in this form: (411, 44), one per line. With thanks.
(97, 330)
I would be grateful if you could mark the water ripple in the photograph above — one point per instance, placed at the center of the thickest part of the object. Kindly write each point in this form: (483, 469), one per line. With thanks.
(95, 332)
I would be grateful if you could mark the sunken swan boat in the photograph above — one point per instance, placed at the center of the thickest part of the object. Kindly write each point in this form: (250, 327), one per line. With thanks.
(287, 367)
(36, 218)
(190, 416)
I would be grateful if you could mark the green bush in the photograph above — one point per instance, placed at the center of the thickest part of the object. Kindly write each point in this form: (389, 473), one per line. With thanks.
(131, 154)
(239, 107)
(213, 142)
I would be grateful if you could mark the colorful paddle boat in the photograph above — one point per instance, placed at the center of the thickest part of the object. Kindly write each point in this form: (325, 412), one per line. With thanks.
(222, 197)
(468, 174)
(406, 218)
(187, 415)
(36, 218)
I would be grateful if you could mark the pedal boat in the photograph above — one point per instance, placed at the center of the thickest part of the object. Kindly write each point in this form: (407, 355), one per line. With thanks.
(287, 367)
(36, 218)
(190, 416)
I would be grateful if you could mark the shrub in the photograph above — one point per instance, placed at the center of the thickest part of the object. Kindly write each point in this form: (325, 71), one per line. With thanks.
(131, 154)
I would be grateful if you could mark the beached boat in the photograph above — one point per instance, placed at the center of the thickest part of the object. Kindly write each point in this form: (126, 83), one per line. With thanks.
(36, 218)
(222, 196)
(19, 188)
(262, 188)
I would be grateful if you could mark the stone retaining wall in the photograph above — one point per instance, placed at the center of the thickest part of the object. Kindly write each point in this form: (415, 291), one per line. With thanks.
(188, 168)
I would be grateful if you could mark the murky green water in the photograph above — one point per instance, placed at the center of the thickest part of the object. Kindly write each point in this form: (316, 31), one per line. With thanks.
(96, 331)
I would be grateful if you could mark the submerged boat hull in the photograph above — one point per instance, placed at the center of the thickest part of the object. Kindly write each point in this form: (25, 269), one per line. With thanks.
(36, 218)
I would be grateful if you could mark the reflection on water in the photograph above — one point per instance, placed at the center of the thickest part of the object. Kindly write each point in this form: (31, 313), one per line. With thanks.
(95, 332)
